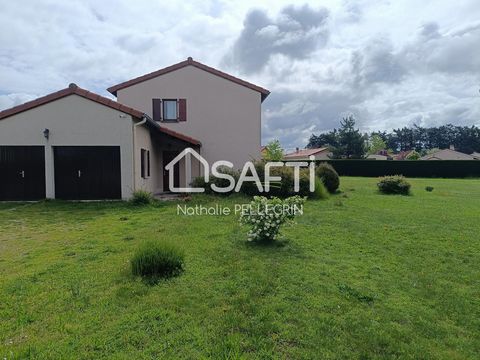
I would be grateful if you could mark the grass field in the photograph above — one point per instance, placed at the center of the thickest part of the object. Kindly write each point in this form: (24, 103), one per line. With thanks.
(361, 275)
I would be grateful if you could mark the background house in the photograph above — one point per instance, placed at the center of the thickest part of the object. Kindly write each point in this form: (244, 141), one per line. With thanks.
(447, 154)
(304, 154)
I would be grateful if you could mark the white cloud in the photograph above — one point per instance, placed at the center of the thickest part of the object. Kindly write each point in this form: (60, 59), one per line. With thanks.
(389, 63)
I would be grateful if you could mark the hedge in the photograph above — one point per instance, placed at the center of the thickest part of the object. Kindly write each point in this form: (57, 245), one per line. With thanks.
(408, 168)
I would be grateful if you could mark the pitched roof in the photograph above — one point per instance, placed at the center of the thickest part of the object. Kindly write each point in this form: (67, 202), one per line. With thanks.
(70, 90)
(73, 89)
(188, 62)
(173, 133)
(447, 154)
(305, 152)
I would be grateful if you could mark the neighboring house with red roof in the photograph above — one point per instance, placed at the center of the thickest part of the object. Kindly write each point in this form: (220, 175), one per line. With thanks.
(304, 154)
(75, 144)
(402, 155)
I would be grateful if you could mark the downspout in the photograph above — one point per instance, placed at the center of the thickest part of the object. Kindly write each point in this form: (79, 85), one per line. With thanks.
(143, 122)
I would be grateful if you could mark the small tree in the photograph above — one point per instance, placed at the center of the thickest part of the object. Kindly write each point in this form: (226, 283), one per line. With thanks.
(376, 144)
(273, 151)
(413, 155)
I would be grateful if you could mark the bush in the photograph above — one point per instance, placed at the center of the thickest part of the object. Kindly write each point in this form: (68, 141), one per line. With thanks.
(199, 182)
(282, 189)
(141, 197)
(429, 188)
(265, 216)
(154, 259)
(394, 185)
(320, 192)
(329, 177)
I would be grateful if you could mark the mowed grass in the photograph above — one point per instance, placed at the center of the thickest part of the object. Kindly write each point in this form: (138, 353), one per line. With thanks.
(362, 275)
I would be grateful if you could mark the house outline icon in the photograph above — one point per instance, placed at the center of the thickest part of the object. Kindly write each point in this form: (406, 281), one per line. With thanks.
(187, 153)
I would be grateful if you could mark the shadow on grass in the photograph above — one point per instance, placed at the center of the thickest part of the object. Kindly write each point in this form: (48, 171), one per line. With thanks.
(274, 244)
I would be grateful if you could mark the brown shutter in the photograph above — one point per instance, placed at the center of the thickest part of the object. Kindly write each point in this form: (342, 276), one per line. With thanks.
(157, 112)
(182, 109)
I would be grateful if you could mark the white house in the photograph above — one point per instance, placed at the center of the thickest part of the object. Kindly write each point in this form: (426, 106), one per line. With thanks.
(74, 144)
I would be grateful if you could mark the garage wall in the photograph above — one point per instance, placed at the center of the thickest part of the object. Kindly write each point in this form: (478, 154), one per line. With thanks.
(75, 121)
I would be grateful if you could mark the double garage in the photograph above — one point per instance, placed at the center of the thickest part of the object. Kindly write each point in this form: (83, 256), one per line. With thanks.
(80, 172)
(77, 145)
(71, 145)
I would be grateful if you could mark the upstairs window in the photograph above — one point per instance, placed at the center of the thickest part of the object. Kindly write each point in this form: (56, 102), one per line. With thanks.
(170, 110)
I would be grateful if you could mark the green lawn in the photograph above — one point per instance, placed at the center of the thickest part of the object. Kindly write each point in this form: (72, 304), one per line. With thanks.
(361, 275)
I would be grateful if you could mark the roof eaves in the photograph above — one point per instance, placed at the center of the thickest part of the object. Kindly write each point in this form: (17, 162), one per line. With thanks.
(172, 133)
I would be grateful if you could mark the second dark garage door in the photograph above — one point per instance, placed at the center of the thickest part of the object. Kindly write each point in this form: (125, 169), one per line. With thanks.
(87, 172)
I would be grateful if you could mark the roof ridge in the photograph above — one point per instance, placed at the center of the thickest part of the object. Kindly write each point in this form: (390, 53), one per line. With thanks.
(113, 89)
(72, 89)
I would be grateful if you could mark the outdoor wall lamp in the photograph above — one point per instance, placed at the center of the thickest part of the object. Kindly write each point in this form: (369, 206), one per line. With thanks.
(46, 133)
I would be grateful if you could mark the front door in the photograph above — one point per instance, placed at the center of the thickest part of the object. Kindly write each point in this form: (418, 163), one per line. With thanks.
(22, 172)
(168, 156)
(87, 172)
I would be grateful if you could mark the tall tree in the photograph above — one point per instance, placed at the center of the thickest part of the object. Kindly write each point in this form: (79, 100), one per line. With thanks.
(351, 143)
(328, 139)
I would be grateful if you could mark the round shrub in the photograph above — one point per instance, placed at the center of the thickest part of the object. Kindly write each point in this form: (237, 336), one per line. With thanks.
(265, 216)
(396, 184)
(141, 197)
(329, 177)
(429, 188)
(156, 259)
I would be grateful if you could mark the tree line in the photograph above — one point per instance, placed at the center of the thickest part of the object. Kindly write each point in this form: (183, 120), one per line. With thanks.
(348, 142)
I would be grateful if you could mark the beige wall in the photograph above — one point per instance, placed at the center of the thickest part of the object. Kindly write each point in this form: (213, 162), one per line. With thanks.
(143, 140)
(73, 121)
(224, 116)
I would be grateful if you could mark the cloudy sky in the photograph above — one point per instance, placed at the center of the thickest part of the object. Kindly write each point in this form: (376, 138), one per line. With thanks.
(390, 63)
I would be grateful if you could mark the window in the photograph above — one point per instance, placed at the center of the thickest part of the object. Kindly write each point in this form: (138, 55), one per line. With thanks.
(145, 163)
(148, 163)
(170, 110)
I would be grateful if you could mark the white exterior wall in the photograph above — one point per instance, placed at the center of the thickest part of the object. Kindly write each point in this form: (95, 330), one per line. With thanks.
(143, 140)
(224, 116)
(73, 121)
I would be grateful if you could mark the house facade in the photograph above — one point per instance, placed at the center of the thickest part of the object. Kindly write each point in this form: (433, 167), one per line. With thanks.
(74, 144)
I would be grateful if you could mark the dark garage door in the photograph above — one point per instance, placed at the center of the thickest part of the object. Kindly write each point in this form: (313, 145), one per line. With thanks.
(22, 173)
(87, 172)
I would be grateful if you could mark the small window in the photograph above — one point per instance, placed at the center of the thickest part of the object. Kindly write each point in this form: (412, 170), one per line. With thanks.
(148, 163)
(170, 110)
(145, 163)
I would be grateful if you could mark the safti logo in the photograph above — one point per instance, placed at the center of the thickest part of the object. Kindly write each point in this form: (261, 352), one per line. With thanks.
(248, 168)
